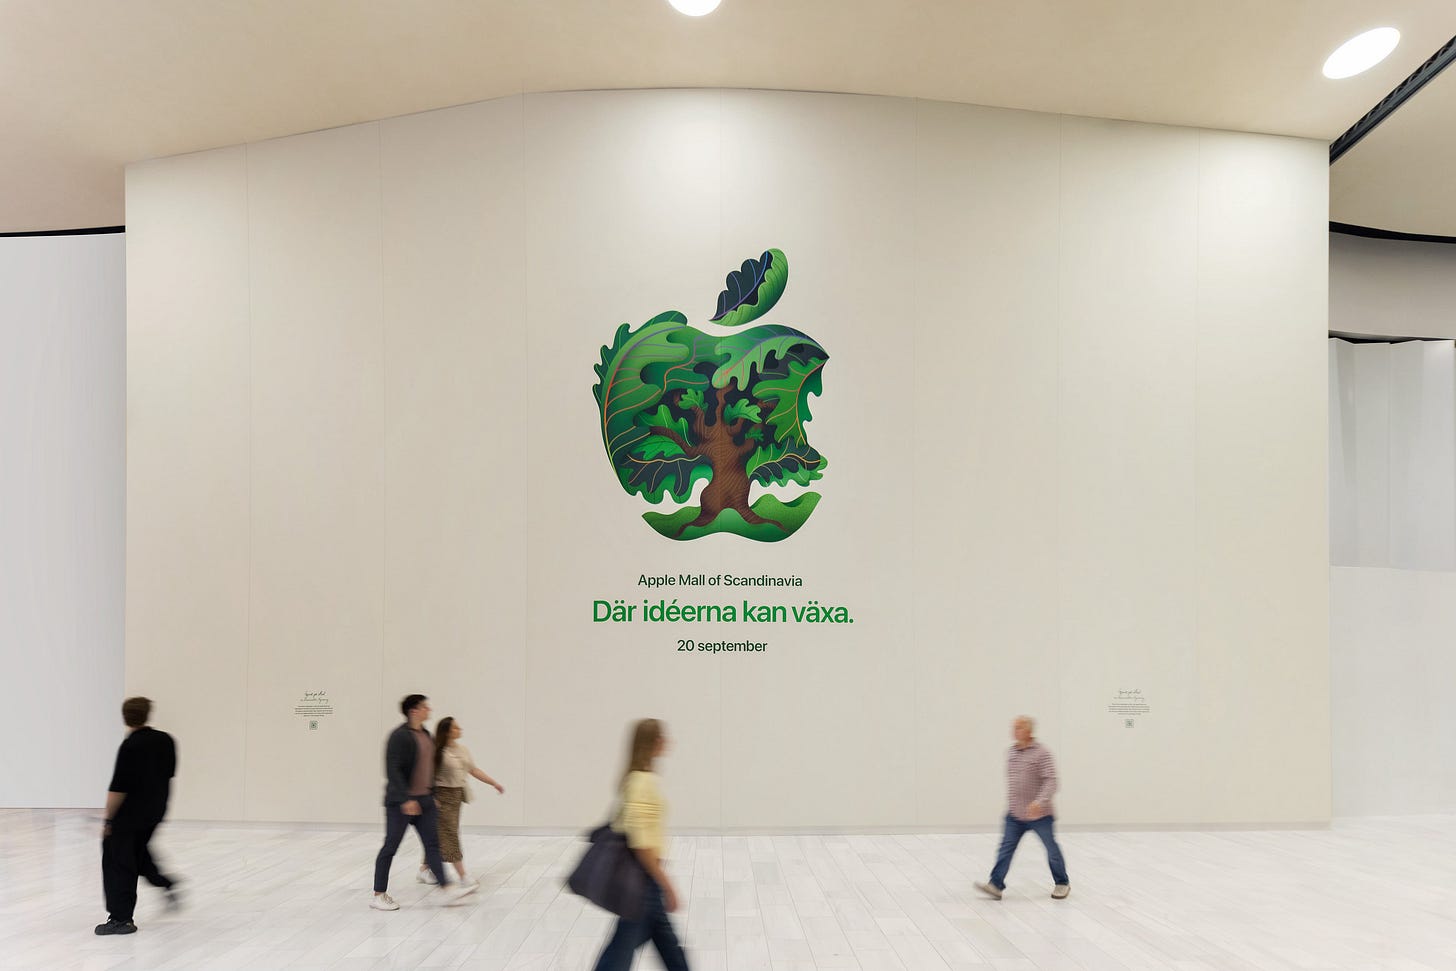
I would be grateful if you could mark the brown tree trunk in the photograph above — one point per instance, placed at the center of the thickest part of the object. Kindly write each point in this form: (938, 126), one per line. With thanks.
(728, 488)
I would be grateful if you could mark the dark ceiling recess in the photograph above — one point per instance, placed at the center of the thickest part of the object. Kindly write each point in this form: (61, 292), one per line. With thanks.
(1423, 75)
(1369, 232)
(94, 231)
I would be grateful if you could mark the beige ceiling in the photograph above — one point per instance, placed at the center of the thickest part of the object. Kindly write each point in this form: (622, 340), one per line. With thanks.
(1402, 176)
(93, 84)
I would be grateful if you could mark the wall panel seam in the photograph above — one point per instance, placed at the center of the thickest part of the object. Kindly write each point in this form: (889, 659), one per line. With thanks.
(248, 324)
(1199, 322)
(525, 184)
(384, 416)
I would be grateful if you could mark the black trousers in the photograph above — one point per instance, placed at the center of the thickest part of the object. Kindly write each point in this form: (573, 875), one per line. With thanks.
(395, 823)
(124, 857)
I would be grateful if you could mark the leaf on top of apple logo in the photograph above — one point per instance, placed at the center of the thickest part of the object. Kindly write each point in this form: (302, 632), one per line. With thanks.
(753, 289)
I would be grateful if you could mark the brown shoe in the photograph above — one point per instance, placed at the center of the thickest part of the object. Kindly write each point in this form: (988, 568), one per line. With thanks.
(1060, 891)
(993, 892)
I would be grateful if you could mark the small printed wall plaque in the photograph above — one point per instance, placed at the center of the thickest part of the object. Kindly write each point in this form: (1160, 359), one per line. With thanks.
(313, 706)
(1128, 704)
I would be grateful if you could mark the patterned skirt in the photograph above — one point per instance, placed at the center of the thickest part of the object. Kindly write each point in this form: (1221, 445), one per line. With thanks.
(449, 800)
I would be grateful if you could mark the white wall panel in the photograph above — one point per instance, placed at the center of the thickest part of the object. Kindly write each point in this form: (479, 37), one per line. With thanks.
(987, 388)
(850, 287)
(1127, 461)
(1051, 478)
(1261, 528)
(317, 475)
(62, 502)
(454, 347)
(642, 171)
(189, 490)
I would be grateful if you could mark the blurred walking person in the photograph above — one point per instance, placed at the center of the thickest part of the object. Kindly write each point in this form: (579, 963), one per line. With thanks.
(136, 802)
(409, 800)
(454, 766)
(1031, 781)
(642, 818)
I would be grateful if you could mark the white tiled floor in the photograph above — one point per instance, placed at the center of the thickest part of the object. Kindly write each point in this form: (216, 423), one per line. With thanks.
(1367, 894)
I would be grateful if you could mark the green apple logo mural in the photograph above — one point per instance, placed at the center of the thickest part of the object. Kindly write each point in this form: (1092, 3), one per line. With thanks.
(678, 405)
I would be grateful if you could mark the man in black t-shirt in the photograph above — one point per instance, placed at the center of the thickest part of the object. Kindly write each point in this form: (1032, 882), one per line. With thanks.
(135, 804)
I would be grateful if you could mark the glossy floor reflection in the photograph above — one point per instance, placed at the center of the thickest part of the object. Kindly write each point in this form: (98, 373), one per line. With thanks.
(1366, 894)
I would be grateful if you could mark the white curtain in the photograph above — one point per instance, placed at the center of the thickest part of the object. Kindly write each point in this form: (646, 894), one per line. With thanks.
(1393, 455)
(62, 514)
(1393, 577)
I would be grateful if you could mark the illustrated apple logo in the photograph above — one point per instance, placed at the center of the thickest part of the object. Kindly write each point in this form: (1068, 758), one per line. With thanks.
(678, 405)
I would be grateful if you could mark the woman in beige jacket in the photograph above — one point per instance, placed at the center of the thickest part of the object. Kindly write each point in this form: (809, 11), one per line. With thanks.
(642, 818)
(453, 769)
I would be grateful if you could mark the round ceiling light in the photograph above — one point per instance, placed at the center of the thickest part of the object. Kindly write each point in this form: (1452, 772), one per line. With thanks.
(695, 8)
(1359, 54)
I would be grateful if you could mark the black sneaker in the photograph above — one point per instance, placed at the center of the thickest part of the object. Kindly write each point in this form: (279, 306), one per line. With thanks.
(116, 927)
(173, 895)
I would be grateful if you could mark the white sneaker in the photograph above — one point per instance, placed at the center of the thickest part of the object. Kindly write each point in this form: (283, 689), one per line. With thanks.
(462, 890)
(382, 901)
(425, 876)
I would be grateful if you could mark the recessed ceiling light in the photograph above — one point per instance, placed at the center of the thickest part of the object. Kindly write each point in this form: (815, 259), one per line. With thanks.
(1361, 53)
(695, 8)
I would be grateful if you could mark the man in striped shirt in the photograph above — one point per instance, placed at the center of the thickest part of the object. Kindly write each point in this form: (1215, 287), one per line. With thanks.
(1031, 780)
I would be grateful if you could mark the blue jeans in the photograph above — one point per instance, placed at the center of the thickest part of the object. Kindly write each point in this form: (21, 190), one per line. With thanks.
(632, 934)
(1015, 829)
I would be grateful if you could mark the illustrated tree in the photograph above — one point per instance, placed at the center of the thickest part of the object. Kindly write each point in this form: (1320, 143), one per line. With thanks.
(679, 405)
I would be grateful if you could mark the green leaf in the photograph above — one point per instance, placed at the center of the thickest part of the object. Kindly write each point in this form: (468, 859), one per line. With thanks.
(743, 408)
(635, 372)
(753, 290)
(685, 374)
(653, 477)
(748, 351)
(790, 393)
(662, 418)
(693, 398)
(778, 464)
(620, 390)
(755, 433)
(656, 446)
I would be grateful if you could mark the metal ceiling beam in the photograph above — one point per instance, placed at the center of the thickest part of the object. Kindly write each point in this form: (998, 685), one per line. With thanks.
(1387, 106)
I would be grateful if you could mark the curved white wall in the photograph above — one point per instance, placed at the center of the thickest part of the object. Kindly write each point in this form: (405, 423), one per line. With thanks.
(1392, 288)
(62, 488)
(1075, 417)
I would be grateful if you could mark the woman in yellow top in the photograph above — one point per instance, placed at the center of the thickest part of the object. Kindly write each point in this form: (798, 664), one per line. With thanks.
(641, 818)
(453, 769)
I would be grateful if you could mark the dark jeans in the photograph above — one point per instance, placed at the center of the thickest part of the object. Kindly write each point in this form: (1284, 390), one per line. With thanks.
(632, 934)
(1015, 829)
(395, 823)
(124, 857)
